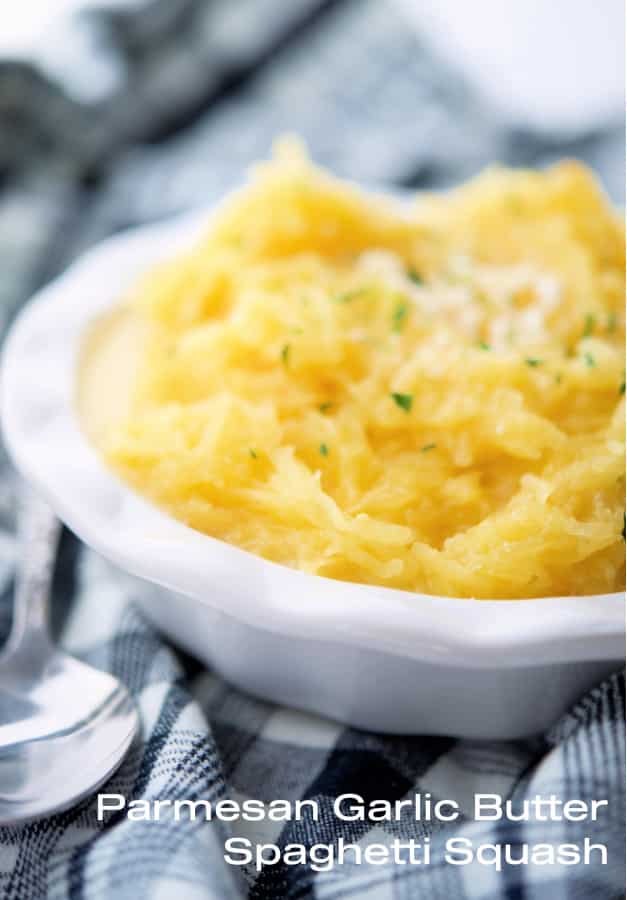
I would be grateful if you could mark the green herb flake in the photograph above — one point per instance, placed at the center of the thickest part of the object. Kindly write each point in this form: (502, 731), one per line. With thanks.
(403, 401)
(253, 453)
(589, 325)
(399, 316)
(428, 447)
(612, 322)
(325, 407)
(414, 276)
(348, 296)
(285, 354)
(483, 345)
(324, 450)
(533, 362)
(621, 389)
(589, 360)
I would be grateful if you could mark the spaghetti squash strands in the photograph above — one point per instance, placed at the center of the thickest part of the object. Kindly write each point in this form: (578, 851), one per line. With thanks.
(427, 397)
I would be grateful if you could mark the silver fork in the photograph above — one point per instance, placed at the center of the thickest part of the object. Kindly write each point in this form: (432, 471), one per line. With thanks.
(64, 726)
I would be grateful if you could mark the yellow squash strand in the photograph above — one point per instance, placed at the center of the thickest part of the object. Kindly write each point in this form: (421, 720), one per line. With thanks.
(428, 397)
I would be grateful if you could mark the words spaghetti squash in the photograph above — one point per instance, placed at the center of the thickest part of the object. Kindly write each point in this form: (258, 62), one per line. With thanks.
(426, 396)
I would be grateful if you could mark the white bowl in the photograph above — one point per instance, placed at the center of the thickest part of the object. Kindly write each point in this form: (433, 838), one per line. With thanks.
(373, 657)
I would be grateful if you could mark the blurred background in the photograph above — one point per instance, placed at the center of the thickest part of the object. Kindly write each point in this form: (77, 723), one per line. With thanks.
(117, 112)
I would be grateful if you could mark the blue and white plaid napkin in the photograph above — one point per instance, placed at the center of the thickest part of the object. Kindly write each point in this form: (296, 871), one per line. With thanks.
(189, 93)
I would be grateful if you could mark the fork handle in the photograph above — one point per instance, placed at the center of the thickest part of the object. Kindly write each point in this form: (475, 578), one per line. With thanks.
(38, 533)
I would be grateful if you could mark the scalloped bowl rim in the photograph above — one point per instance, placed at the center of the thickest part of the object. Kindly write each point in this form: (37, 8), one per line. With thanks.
(45, 440)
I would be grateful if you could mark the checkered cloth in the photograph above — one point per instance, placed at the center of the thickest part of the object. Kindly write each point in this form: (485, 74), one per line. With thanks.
(182, 95)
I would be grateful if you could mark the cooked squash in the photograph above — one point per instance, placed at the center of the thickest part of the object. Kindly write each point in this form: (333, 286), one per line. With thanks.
(426, 396)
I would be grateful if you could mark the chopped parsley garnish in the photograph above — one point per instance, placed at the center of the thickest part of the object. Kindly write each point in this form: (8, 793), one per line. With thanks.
(483, 345)
(399, 316)
(404, 401)
(533, 361)
(589, 325)
(347, 296)
(589, 360)
(324, 450)
(612, 322)
(415, 276)
(621, 389)
(285, 354)
(428, 447)
(253, 453)
(325, 407)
